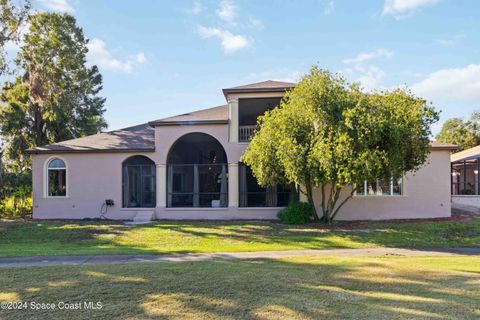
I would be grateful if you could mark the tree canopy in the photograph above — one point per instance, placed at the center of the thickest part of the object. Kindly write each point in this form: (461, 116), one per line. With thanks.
(57, 97)
(464, 133)
(328, 134)
(12, 16)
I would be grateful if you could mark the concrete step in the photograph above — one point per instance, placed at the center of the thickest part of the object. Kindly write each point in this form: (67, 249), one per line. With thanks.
(144, 216)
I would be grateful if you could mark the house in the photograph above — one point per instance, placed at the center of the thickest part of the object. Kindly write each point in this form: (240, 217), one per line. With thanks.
(465, 183)
(188, 167)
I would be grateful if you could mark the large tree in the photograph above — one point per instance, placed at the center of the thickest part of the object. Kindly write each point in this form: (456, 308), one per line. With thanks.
(464, 133)
(57, 96)
(12, 17)
(327, 134)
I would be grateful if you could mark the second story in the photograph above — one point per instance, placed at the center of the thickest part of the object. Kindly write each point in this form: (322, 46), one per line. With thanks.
(246, 103)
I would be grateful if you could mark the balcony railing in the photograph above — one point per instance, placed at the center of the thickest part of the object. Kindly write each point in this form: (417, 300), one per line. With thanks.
(245, 133)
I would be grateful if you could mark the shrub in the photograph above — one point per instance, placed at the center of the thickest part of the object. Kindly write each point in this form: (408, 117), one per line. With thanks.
(16, 206)
(296, 213)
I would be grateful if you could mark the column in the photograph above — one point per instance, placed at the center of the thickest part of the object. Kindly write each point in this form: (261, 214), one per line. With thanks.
(161, 185)
(233, 120)
(233, 184)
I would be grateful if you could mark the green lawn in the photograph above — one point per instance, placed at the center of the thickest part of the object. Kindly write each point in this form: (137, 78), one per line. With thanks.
(85, 238)
(295, 288)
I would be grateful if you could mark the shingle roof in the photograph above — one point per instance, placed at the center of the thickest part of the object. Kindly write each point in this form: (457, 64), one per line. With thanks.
(443, 146)
(140, 138)
(472, 153)
(264, 86)
(215, 115)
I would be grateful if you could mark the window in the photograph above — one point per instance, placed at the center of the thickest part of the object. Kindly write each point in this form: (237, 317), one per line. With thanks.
(57, 178)
(253, 195)
(381, 187)
(139, 189)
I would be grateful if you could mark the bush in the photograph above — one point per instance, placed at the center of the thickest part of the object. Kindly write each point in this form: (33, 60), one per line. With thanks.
(296, 213)
(16, 206)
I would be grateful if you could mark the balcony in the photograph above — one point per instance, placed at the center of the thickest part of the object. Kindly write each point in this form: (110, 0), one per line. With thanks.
(245, 133)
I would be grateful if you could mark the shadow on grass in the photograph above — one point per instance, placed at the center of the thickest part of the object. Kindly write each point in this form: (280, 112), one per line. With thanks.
(295, 288)
(84, 238)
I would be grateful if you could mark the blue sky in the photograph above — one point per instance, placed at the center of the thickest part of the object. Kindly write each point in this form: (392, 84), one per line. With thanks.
(161, 58)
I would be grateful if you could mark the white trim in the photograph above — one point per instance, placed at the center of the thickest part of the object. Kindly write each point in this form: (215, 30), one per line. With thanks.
(45, 178)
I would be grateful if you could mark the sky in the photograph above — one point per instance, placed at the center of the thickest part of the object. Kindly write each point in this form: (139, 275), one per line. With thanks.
(162, 58)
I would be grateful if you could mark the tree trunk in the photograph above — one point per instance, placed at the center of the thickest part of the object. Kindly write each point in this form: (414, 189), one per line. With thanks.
(309, 192)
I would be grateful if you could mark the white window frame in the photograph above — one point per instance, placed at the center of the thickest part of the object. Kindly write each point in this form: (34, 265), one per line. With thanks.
(366, 194)
(45, 178)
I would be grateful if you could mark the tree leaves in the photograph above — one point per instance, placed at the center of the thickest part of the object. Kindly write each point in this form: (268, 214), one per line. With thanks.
(327, 133)
(57, 97)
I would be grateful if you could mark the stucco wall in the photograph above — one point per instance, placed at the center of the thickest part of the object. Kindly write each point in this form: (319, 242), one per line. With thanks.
(92, 178)
(426, 195)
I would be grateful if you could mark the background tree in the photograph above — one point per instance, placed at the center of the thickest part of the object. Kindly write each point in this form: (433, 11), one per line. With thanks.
(326, 133)
(464, 133)
(57, 97)
(12, 16)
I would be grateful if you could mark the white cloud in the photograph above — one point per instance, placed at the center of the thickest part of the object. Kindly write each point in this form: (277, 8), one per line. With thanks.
(363, 57)
(329, 8)
(452, 85)
(369, 76)
(450, 41)
(57, 5)
(196, 8)
(140, 57)
(229, 42)
(255, 23)
(99, 55)
(227, 11)
(404, 8)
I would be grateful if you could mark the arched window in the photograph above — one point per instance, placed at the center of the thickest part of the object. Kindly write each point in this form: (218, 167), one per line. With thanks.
(57, 178)
(138, 181)
(197, 172)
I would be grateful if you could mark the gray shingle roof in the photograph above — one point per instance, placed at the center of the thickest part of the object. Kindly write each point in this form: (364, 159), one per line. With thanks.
(264, 86)
(138, 138)
(215, 115)
(443, 146)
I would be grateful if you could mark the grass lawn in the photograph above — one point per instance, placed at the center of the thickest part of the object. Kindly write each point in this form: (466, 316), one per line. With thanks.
(295, 288)
(29, 238)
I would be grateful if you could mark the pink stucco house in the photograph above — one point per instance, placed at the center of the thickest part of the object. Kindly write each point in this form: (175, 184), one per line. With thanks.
(187, 167)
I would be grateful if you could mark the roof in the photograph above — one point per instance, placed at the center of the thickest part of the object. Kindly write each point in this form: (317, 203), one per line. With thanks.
(215, 115)
(264, 86)
(140, 138)
(469, 154)
(443, 146)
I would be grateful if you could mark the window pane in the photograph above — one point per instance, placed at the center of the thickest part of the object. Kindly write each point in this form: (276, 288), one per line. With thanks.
(134, 187)
(56, 163)
(139, 184)
(372, 188)
(182, 179)
(397, 186)
(57, 183)
(209, 178)
(360, 189)
(384, 187)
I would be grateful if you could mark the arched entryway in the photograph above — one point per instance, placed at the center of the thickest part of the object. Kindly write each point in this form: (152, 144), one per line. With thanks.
(197, 173)
(138, 183)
